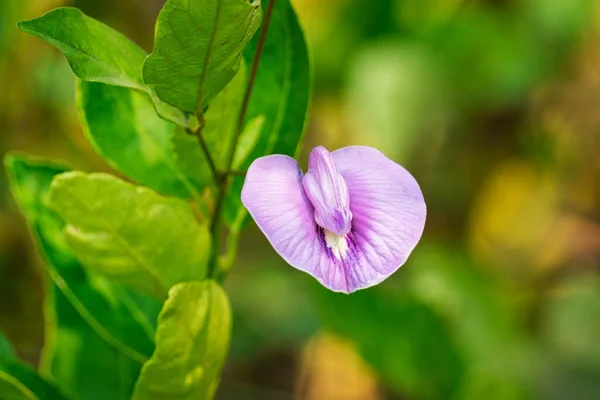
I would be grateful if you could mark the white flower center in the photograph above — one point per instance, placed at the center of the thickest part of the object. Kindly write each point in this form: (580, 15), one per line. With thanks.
(337, 244)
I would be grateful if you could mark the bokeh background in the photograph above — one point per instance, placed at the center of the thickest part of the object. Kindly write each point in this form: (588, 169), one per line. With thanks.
(493, 105)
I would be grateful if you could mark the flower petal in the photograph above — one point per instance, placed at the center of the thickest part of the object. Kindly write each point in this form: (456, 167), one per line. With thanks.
(327, 192)
(388, 217)
(388, 213)
(274, 196)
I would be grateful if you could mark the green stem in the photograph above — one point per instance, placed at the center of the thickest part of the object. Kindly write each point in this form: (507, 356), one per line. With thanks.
(223, 182)
(237, 173)
(209, 160)
(231, 248)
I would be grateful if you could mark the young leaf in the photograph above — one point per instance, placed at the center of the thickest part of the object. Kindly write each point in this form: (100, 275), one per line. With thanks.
(19, 381)
(130, 234)
(281, 94)
(191, 344)
(97, 53)
(248, 140)
(123, 127)
(119, 317)
(198, 48)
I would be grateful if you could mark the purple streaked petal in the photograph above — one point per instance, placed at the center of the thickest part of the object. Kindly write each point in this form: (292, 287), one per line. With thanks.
(274, 196)
(389, 212)
(327, 192)
(388, 217)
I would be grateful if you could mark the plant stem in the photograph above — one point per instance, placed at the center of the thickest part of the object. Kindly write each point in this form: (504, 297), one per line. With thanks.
(209, 160)
(236, 173)
(253, 70)
(223, 182)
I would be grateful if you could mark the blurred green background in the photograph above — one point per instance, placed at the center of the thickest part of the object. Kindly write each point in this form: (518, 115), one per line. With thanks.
(493, 105)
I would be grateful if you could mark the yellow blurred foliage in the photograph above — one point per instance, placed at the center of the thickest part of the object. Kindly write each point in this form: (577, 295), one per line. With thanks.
(331, 369)
(513, 214)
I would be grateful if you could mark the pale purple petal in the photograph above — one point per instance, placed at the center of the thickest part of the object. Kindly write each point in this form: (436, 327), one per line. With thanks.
(274, 196)
(385, 200)
(327, 192)
(389, 213)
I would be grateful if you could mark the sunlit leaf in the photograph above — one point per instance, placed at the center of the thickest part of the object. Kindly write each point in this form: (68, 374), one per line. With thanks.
(198, 48)
(98, 332)
(125, 320)
(281, 94)
(191, 344)
(130, 234)
(123, 127)
(97, 53)
(95, 329)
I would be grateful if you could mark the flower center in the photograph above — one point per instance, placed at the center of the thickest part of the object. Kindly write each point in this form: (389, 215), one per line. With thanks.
(337, 244)
(326, 190)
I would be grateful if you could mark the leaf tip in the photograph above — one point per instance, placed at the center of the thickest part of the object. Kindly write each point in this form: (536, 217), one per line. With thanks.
(29, 25)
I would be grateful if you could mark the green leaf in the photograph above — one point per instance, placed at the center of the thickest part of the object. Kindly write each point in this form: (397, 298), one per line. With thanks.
(12, 389)
(28, 378)
(191, 344)
(248, 139)
(130, 234)
(19, 381)
(281, 94)
(121, 318)
(198, 47)
(79, 359)
(97, 53)
(221, 119)
(123, 127)
(15, 377)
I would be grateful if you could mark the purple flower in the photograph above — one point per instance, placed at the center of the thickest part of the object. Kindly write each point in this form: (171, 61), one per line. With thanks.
(350, 221)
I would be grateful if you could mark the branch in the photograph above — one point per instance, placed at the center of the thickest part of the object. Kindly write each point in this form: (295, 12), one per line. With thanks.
(223, 185)
(237, 173)
(211, 163)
